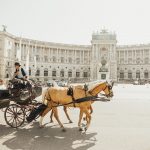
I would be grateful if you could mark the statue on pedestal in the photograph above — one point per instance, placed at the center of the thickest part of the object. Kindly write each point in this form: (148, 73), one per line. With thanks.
(103, 67)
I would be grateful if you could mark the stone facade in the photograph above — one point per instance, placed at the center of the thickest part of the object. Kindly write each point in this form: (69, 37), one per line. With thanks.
(103, 59)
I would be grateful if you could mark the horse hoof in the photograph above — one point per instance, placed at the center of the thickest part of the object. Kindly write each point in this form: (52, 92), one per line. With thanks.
(70, 121)
(63, 130)
(80, 129)
(85, 129)
(41, 126)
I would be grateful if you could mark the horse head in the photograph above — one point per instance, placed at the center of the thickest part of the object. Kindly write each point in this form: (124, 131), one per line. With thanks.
(105, 87)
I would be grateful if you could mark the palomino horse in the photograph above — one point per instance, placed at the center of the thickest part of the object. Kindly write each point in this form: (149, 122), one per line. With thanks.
(58, 95)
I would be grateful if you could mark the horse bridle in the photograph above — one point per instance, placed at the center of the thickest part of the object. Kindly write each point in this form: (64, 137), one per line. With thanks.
(109, 87)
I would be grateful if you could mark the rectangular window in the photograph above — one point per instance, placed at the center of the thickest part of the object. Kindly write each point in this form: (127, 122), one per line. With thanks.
(103, 76)
(85, 74)
(54, 73)
(129, 75)
(138, 75)
(121, 75)
(146, 75)
(45, 72)
(62, 74)
(77, 74)
(69, 74)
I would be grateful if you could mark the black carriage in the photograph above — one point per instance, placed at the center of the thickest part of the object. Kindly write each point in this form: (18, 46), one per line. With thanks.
(18, 101)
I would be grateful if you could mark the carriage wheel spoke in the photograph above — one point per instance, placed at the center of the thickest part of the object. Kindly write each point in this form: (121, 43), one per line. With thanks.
(19, 121)
(10, 119)
(20, 118)
(9, 113)
(10, 110)
(9, 116)
(15, 122)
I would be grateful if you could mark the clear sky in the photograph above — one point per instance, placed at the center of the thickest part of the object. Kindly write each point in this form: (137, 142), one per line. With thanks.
(73, 21)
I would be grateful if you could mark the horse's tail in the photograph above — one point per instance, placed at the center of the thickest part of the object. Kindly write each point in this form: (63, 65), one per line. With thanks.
(44, 96)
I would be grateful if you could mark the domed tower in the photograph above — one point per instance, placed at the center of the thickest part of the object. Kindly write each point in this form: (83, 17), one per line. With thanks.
(103, 56)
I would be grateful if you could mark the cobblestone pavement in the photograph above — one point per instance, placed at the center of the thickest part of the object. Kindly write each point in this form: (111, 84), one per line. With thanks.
(121, 124)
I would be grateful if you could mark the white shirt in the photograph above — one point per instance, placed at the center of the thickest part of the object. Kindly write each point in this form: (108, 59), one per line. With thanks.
(2, 87)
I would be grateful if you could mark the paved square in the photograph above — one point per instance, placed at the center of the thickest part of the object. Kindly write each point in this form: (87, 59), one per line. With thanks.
(121, 124)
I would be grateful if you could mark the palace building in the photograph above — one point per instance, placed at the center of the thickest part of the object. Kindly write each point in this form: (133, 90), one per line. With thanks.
(103, 59)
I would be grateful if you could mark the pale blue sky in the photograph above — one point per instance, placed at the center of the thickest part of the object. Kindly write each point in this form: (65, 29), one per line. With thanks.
(73, 21)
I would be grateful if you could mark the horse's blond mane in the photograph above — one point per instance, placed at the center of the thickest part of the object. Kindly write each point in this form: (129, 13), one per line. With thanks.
(95, 86)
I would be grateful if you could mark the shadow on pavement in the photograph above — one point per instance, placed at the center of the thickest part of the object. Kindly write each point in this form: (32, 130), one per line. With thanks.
(5, 130)
(49, 138)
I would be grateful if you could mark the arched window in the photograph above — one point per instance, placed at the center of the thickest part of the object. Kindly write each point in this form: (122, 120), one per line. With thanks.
(62, 73)
(45, 72)
(70, 73)
(54, 73)
(7, 75)
(37, 72)
(138, 74)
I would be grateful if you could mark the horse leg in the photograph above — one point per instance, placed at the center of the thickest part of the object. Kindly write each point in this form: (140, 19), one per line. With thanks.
(42, 116)
(55, 111)
(91, 111)
(51, 117)
(80, 118)
(65, 110)
(88, 115)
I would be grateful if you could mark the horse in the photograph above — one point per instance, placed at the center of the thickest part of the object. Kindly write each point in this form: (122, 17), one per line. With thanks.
(58, 95)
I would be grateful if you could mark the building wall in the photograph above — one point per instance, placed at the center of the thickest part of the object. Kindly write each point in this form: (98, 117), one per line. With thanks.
(135, 60)
(78, 63)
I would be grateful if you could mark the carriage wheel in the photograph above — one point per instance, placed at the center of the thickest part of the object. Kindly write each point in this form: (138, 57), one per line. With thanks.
(14, 115)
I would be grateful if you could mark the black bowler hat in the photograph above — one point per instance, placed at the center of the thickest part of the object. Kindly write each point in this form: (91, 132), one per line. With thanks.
(17, 64)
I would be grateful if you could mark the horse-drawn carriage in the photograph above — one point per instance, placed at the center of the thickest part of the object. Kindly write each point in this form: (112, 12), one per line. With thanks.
(18, 100)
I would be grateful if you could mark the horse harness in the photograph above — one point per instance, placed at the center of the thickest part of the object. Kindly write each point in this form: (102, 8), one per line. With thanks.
(70, 92)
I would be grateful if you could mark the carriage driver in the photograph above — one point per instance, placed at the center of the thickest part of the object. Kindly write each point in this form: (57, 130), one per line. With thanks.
(20, 72)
